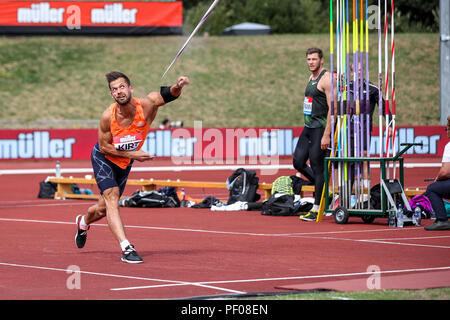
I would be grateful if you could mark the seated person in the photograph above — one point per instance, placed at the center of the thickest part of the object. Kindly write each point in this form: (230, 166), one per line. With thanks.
(440, 189)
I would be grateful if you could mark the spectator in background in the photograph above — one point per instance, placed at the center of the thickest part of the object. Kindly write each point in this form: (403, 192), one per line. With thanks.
(165, 124)
(440, 189)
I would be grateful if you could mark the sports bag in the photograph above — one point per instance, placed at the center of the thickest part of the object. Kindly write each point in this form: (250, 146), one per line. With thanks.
(375, 196)
(423, 202)
(280, 204)
(148, 199)
(47, 189)
(208, 202)
(282, 185)
(298, 183)
(170, 192)
(243, 185)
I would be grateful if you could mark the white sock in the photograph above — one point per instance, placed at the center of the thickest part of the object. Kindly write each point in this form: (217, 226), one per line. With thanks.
(125, 243)
(83, 224)
(315, 207)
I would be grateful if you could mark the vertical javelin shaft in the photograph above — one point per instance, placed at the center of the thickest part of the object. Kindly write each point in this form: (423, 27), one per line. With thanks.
(361, 98)
(380, 86)
(347, 116)
(393, 84)
(386, 76)
(344, 96)
(368, 111)
(356, 94)
(332, 95)
(339, 34)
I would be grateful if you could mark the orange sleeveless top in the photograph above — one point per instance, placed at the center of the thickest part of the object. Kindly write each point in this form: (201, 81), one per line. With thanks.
(129, 138)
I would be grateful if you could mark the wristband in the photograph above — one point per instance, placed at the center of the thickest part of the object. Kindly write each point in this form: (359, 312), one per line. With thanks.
(167, 95)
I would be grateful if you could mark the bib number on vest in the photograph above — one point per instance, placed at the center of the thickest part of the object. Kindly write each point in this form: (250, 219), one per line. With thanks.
(307, 106)
(128, 142)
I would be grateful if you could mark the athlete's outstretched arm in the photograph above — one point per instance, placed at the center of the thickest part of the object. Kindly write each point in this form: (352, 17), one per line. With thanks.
(154, 100)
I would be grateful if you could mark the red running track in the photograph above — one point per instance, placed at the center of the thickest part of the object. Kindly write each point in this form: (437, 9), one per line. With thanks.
(193, 252)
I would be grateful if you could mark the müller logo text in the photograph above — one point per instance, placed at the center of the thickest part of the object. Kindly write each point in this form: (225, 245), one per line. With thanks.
(114, 13)
(108, 14)
(36, 145)
(40, 13)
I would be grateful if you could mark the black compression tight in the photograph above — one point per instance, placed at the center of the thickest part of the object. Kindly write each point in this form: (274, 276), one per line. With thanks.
(308, 147)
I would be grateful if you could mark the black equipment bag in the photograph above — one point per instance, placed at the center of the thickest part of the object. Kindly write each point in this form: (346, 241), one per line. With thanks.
(170, 192)
(298, 183)
(47, 189)
(284, 205)
(208, 202)
(243, 185)
(148, 199)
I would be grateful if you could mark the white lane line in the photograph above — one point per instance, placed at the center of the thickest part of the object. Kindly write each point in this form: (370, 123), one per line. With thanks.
(410, 238)
(291, 278)
(192, 168)
(122, 276)
(211, 231)
(178, 283)
(405, 244)
(312, 235)
(12, 206)
(389, 241)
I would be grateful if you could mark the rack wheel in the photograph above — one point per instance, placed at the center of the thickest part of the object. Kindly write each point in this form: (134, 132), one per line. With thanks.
(368, 219)
(341, 215)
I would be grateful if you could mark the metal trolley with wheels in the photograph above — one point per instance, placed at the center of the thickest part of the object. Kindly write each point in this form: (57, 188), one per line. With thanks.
(390, 190)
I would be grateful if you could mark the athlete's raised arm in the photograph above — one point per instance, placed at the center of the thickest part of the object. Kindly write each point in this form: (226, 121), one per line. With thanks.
(154, 100)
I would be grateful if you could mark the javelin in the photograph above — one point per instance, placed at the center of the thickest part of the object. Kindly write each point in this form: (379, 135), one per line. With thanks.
(380, 84)
(393, 83)
(192, 34)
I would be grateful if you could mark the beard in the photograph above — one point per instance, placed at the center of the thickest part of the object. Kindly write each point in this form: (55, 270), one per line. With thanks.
(314, 68)
(123, 102)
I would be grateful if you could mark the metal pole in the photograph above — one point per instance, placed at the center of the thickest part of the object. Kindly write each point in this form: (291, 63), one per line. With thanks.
(445, 59)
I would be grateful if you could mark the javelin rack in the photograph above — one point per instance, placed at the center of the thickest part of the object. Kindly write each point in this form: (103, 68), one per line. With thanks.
(389, 190)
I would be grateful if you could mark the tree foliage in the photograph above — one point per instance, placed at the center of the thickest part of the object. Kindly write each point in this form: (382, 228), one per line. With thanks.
(301, 16)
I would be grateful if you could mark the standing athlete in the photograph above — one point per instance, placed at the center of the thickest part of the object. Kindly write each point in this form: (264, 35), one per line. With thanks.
(315, 138)
(123, 128)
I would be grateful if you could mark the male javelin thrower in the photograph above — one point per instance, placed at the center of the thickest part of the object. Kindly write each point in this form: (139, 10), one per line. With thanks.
(123, 129)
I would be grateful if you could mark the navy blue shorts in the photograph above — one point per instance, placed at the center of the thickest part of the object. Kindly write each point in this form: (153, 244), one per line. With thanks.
(108, 174)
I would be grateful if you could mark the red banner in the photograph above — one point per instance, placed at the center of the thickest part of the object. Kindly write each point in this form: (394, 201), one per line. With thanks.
(199, 144)
(76, 15)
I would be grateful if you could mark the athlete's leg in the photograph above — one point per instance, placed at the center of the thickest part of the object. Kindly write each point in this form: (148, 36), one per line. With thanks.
(437, 191)
(111, 181)
(301, 154)
(111, 199)
(105, 177)
(96, 212)
(317, 157)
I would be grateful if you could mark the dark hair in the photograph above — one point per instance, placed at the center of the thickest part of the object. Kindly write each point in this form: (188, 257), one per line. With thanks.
(165, 121)
(114, 75)
(315, 50)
